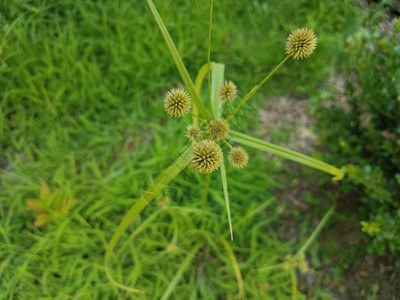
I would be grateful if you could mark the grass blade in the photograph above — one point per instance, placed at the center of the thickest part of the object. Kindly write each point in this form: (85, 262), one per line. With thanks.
(317, 230)
(226, 196)
(235, 267)
(293, 278)
(286, 153)
(153, 191)
(179, 63)
(179, 274)
(204, 202)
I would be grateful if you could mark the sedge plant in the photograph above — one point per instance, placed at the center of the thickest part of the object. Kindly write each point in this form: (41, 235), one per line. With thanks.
(211, 141)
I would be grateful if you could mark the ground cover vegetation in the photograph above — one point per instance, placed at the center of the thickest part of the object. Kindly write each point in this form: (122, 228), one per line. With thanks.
(83, 133)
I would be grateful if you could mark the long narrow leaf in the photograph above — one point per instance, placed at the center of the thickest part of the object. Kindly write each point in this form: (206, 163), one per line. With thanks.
(235, 266)
(317, 230)
(153, 191)
(226, 196)
(179, 63)
(179, 274)
(293, 278)
(217, 79)
(286, 153)
(209, 54)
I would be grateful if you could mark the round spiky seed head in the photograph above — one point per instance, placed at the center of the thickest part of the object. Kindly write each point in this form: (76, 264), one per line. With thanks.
(206, 156)
(228, 91)
(238, 157)
(301, 43)
(177, 102)
(193, 133)
(218, 129)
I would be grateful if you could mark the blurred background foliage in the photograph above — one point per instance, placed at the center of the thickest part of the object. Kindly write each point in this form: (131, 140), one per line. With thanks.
(81, 87)
(364, 129)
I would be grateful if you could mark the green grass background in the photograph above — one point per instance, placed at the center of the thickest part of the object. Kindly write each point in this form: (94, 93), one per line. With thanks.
(81, 89)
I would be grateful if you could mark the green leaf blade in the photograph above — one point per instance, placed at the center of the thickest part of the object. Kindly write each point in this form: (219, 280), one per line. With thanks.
(286, 153)
(217, 80)
(226, 196)
(152, 191)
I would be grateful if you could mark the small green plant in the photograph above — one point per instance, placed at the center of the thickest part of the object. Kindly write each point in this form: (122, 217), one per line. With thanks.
(50, 206)
(211, 136)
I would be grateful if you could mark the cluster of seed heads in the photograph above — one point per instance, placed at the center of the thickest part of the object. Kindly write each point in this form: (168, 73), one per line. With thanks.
(207, 155)
(296, 261)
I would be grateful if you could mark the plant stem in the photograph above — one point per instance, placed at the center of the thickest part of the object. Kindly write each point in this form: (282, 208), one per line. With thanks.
(255, 89)
(317, 230)
(263, 269)
(205, 195)
(294, 284)
(235, 266)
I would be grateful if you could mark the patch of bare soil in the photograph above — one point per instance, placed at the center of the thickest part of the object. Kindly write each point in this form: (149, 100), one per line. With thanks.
(287, 112)
(371, 276)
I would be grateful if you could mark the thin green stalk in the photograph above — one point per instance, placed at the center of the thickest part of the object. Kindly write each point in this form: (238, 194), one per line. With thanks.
(179, 274)
(209, 56)
(223, 107)
(269, 268)
(235, 266)
(204, 202)
(255, 89)
(317, 230)
(294, 283)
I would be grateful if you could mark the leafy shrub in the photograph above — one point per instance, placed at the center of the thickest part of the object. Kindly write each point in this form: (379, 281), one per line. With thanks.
(363, 129)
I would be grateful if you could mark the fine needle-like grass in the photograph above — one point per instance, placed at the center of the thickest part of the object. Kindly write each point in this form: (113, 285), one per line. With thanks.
(81, 85)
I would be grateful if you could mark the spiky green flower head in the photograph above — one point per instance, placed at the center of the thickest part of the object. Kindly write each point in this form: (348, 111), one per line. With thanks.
(301, 43)
(228, 91)
(218, 129)
(193, 133)
(238, 157)
(177, 102)
(206, 156)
